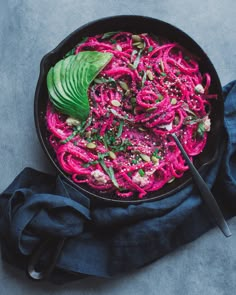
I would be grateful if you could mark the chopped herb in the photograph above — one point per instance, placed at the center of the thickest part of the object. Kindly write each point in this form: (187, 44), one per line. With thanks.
(150, 49)
(177, 73)
(86, 165)
(156, 154)
(200, 129)
(187, 58)
(133, 100)
(113, 41)
(120, 129)
(110, 172)
(134, 161)
(104, 80)
(102, 156)
(104, 139)
(141, 172)
(73, 134)
(109, 34)
(129, 174)
(163, 74)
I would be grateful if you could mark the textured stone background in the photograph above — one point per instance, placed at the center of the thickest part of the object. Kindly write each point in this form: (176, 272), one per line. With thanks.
(28, 30)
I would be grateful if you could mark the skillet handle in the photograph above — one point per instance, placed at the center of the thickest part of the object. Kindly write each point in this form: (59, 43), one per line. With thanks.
(34, 260)
(205, 192)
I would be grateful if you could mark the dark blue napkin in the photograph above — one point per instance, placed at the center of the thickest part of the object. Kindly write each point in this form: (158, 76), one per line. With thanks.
(106, 241)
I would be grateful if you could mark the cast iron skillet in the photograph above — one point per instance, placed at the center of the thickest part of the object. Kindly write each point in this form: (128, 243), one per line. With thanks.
(135, 24)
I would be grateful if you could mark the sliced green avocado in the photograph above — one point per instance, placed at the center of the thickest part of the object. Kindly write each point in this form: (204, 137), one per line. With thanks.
(63, 66)
(68, 82)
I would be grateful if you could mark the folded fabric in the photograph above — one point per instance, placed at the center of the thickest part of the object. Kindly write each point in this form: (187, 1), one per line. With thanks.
(103, 240)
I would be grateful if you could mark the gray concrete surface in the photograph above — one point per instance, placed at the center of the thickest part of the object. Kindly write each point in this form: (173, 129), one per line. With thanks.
(28, 30)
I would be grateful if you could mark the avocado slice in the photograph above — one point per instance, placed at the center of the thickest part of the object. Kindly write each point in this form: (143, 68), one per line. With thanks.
(64, 81)
(59, 84)
(68, 82)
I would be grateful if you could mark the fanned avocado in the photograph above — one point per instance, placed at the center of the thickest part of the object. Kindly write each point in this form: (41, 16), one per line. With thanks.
(68, 82)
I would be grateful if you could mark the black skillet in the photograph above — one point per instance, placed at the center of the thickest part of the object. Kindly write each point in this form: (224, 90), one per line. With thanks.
(136, 24)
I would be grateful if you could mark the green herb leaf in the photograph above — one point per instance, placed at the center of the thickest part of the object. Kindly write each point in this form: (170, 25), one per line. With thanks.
(150, 49)
(120, 129)
(73, 134)
(163, 74)
(156, 153)
(110, 172)
(86, 165)
(109, 34)
(141, 172)
(103, 80)
(200, 129)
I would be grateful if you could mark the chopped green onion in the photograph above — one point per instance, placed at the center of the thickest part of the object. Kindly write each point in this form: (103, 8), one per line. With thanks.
(104, 80)
(201, 129)
(73, 134)
(150, 49)
(110, 173)
(120, 129)
(141, 172)
(133, 100)
(109, 34)
(155, 153)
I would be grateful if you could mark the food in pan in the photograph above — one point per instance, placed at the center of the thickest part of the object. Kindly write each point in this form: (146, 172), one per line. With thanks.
(113, 100)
